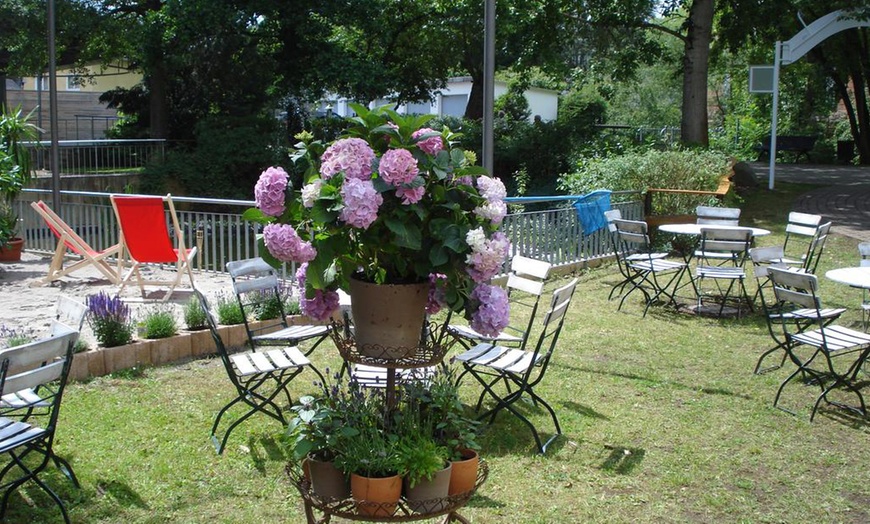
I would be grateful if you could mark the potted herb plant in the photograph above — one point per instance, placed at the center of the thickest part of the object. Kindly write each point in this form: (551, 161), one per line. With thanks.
(424, 465)
(373, 465)
(14, 175)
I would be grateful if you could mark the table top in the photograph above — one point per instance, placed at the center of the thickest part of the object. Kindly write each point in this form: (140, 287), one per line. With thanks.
(851, 276)
(695, 229)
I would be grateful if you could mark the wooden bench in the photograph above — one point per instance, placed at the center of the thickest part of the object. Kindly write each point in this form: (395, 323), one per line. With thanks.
(653, 221)
(797, 144)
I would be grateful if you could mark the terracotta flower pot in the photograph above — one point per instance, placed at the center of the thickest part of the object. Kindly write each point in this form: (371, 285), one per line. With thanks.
(327, 482)
(376, 497)
(464, 474)
(11, 252)
(429, 495)
(388, 319)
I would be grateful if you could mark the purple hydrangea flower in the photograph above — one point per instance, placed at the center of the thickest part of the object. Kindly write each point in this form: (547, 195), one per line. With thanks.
(493, 210)
(437, 295)
(486, 257)
(491, 188)
(493, 311)
(321, 306)
(300, 277)
(284, 243)
(269, 191)
(398, 166)
(411, 195)
(361, 203)
(353, 156)
(431, 145)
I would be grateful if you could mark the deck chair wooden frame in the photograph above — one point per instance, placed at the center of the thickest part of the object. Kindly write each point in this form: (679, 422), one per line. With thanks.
(68, 239)
(146, 239)
(519, 369)
(525, 285)
(258, 377)
(763, 258)
(41, 366)
(827, 342)
(651, 274)
(253, 280)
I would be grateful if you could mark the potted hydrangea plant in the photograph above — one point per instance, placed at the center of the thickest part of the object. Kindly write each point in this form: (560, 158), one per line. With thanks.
(390, 203)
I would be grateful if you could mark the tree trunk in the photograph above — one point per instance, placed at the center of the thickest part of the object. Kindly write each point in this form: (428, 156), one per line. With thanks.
(862, 137)
(693, 126)
(474, 108)
(159, 105)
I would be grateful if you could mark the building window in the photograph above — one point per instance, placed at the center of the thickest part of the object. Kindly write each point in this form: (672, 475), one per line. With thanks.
(73, 83)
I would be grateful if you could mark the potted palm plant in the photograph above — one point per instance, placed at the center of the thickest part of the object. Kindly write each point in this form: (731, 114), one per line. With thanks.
(14, 175)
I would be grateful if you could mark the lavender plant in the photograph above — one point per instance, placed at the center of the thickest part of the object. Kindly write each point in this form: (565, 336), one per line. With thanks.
(110, 320)
(11, 337)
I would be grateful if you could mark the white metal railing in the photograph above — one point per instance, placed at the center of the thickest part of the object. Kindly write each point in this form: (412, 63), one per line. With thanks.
(97, 156)
(221, 235)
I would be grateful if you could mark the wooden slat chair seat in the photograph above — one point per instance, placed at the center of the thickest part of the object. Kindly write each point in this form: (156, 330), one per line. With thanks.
(519, 369)
(257, 377)
(649, 273)
(255, 280)
(732, 246)
(763, 258)
(41, 366)
(826, 340)
(525, 285)
(68, 239)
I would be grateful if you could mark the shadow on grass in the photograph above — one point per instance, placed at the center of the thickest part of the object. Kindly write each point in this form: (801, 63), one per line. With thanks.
(622, 460)
(585, 411)
(648, 380)
(265, 449)
(121, 492)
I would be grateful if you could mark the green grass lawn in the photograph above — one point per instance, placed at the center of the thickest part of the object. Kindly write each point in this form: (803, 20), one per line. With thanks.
(663, 421)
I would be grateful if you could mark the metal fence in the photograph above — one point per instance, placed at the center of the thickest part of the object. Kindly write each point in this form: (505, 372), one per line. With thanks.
(97, 156)
(216, 227)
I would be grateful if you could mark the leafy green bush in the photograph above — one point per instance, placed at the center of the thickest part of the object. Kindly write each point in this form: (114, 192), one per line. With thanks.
(194, 316)
(682, 169)
(159, 323)
(229, 311)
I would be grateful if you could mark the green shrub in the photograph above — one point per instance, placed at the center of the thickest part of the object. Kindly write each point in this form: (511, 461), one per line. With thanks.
(194, 316)
(159, 323)
(229, 311)
(81, 346)
(680, 169)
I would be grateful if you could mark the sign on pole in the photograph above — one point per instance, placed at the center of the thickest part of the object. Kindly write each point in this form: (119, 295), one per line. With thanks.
(761, 79)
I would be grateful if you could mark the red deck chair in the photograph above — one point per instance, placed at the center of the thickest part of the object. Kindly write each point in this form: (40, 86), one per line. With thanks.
(145, 237)
(67, 239)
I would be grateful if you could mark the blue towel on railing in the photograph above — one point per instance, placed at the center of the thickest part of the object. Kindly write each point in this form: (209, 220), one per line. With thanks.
(590, 210)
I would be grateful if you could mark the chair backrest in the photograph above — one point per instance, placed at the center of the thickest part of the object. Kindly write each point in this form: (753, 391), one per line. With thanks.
(795, 288)
(70, 312)
(864, 253)
(799, 231)
(525, 285)
(61, 229)
(732, 242)
(215, 335)
(633, 235)
(255, 281)
(720, 216)
(551, 327)
(142, 220)
(816, 248)
(42, 364)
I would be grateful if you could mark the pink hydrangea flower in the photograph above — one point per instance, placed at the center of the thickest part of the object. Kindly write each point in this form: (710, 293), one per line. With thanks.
(284, 243)
(353, 156)
(437, 295)
(361, 203)
(269, 191)
(300, 277)
(486, 258)
(493, 311)
(411, 195)
(398, 166)
(311, 192)
(431, 145)
(491, 188)
(493, 210)
(321, 306)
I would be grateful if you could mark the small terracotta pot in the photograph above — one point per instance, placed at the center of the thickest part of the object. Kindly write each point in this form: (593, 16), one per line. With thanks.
(327, 482)
(376, 497)
(464, 472)
(429, 495)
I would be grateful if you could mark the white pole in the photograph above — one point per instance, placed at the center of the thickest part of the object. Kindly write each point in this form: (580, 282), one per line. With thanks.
(774, 113)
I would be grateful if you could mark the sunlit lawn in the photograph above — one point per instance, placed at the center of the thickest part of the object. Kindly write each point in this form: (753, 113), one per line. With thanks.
(663, 421)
